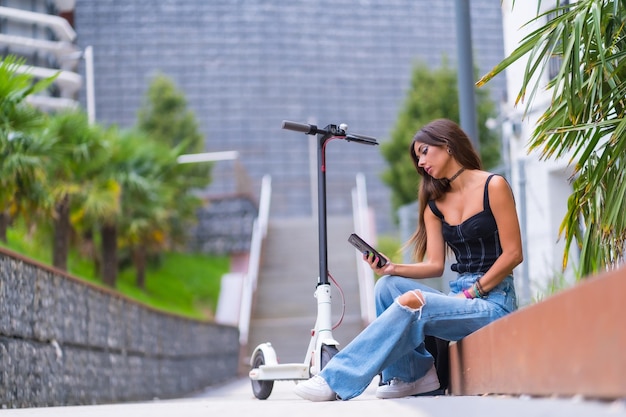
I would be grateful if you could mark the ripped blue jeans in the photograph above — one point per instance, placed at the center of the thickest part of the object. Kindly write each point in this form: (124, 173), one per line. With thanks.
(394, 343)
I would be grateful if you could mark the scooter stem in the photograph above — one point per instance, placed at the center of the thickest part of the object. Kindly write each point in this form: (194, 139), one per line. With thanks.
(322, 138)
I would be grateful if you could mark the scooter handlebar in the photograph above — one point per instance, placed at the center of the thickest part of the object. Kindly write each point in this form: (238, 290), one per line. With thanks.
(299, 127)
(366, 140)
(340, 131)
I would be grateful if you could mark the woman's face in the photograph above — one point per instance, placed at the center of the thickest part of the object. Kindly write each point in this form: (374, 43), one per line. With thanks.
(432, 159)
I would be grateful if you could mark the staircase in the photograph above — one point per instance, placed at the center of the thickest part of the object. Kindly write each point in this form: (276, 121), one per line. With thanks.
(284, 309)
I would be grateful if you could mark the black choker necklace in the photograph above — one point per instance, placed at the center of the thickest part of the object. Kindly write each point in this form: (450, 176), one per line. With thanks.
(459, 172)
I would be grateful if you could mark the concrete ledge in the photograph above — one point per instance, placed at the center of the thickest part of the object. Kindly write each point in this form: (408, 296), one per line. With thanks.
(573, 343)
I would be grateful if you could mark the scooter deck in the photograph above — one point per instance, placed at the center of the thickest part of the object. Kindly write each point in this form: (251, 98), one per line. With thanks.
(281, 371)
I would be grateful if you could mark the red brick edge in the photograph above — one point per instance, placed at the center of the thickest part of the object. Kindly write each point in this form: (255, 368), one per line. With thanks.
(573, 343)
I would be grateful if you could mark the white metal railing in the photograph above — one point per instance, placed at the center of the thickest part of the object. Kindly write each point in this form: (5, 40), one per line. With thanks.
(363, 226)
(59, 49)
(259, 231)
(60, 26)
(68, 81)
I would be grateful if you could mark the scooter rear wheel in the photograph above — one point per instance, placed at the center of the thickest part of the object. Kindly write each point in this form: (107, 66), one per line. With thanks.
(261, 388)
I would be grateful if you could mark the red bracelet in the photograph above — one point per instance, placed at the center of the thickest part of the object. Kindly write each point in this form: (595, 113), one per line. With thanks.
(467, 294)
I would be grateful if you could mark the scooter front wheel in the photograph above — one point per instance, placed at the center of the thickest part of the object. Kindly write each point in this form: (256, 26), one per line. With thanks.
(261, 388)
(328, 351)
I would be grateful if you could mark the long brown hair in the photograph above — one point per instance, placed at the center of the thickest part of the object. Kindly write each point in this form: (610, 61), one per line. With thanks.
(439, 132)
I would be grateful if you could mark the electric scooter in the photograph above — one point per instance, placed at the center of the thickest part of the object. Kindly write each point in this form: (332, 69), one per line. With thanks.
(265, 368)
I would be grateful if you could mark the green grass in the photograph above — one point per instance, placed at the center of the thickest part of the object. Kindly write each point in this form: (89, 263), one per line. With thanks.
(179, 283)
(390, 246)
(186, 284)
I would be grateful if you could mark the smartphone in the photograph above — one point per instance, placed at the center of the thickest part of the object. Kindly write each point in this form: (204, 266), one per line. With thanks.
(365, 248)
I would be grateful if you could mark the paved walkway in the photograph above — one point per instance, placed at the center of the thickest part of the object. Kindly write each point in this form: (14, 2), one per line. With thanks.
(236, 399)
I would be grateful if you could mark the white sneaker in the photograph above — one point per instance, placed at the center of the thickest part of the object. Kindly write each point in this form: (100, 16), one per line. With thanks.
(315, 389)
(399, 389)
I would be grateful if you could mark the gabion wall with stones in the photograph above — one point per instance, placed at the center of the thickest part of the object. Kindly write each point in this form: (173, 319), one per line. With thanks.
(65, 342)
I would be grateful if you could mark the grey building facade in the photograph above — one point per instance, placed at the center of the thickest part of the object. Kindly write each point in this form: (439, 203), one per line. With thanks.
(247, 65)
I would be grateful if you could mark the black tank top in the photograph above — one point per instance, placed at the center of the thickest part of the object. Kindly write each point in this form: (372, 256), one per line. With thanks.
(475, 242)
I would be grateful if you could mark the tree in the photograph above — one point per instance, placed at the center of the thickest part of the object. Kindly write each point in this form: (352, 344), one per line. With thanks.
(148, 200)
(133, 201)
(433, 94)
(165, 118)
(23, 152)
(96, 209)
(140, 199)
(584, 120)
(80, 150)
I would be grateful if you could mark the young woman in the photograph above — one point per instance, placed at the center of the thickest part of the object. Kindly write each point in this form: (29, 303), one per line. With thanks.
(463, 208)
